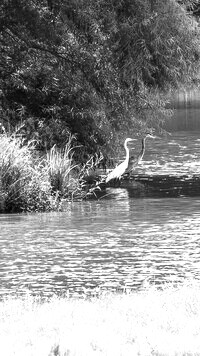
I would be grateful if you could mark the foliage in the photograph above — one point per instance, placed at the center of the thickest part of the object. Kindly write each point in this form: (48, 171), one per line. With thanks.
(156, 46)
(92, 69)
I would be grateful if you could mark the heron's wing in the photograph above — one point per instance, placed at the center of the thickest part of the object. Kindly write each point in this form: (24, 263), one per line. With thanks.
(117, 172)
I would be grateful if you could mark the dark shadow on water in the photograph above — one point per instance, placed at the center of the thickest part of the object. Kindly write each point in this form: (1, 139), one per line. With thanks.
(159, 188)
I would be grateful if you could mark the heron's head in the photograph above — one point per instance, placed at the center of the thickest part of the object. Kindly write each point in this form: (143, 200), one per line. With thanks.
(150, 134)
(147, 132)
(127, 141)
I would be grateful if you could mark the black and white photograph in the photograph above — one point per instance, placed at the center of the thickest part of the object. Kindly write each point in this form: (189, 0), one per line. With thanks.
(100, 178)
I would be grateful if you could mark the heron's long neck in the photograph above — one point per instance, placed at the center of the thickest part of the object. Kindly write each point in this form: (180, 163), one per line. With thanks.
(127, 153)
(143, 148)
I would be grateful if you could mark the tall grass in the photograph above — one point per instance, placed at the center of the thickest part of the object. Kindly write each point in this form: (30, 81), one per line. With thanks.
(60, 165)
(152, 322)
(29, 182)
(22, 187)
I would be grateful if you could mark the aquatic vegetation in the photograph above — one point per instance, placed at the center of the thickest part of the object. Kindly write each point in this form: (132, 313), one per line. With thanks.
(29, 182)
(149, 322)
(22, 185)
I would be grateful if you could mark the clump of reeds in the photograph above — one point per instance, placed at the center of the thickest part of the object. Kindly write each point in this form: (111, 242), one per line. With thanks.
(33, 182)
(29, 182)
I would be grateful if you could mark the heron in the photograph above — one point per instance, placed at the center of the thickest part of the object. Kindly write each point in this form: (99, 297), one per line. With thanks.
(133, 161)
(118, 171)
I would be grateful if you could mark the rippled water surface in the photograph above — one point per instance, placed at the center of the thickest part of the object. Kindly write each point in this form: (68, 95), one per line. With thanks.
(176, 153)
(114, 243)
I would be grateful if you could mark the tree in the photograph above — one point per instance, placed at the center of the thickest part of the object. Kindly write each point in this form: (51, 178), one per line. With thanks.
(93, 69)
(156, 48)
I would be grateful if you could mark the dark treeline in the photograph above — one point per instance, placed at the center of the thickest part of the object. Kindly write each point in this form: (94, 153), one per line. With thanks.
(93, 69)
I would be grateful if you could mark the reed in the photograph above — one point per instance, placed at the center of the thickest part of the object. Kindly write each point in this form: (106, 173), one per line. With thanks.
(151, 322)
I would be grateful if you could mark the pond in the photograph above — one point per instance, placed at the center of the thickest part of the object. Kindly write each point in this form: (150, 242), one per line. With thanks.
(116, 243)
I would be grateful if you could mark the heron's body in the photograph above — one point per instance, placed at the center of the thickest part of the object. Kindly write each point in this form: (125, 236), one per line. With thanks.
(118, 171)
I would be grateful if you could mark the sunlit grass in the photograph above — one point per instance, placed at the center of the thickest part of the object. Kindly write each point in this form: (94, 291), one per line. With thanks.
(151, 322)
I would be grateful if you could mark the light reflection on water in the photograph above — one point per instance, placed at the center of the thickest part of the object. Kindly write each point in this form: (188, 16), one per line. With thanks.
(108, 244)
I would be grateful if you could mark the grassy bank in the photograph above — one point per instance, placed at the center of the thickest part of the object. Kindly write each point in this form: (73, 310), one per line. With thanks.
(148, 323)
(33, 182)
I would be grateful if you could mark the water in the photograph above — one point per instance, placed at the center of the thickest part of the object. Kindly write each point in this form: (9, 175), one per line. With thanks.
(116, 243)
(175, 154)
